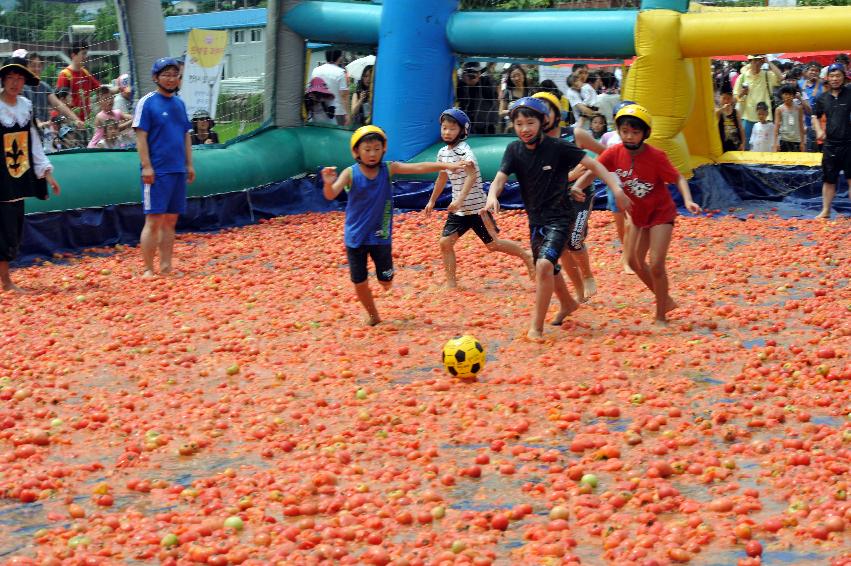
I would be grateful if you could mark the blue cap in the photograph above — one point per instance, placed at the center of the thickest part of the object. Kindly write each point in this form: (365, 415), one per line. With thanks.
(836, 67)
(162, 63)
(460, 117)
(533, 104)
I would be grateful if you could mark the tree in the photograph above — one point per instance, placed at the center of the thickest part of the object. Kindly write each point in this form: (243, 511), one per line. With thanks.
(106, 23)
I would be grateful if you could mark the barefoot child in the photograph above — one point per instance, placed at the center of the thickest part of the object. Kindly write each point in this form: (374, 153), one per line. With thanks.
(645, 172)
(577, 263)
(541, 164)
(468, 198)
(369, 209)
(164, 142)
(27, 172)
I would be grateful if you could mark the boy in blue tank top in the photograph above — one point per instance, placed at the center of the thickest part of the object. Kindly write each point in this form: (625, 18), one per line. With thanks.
(369, 211)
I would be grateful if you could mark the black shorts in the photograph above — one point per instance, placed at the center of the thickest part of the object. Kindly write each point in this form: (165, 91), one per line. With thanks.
(579, 228)
(548, 241)
(789, 146)
(835, 158)
(11, 229)
(382, 258)
(458, 224)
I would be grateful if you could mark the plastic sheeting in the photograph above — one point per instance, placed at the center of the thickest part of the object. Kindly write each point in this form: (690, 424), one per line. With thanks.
(730, 188)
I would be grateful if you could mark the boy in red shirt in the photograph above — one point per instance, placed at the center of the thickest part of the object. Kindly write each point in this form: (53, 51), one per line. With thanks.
(645, 172)
(77, 79)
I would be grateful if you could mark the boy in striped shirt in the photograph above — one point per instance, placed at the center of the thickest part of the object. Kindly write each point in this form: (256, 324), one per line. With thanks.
(466, 211)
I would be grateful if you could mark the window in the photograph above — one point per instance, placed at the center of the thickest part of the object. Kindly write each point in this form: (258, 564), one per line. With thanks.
(256, 35)
(239, 36)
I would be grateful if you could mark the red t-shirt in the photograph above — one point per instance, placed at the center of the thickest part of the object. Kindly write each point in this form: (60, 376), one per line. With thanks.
(644, 178)
(81, 84)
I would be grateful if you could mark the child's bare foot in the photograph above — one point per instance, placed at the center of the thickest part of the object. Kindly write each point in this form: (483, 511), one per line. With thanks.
(661, 322)
(627, 268)
(530, 265)
(589, 287)
(149, 274)
(165, 269)
(563, 314)
(372, 320)
(823, 215)
(670, 305)
(451, 284)
(12, 288)
(535, 335)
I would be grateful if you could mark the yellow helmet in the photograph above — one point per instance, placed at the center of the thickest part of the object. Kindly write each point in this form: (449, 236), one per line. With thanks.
(636, 111)
(551, 98)
(363, 131)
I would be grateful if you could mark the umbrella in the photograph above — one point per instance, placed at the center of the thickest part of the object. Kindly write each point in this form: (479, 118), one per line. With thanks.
(356, 67)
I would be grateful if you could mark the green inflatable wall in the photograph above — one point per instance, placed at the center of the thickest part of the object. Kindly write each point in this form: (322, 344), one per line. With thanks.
(96, 178)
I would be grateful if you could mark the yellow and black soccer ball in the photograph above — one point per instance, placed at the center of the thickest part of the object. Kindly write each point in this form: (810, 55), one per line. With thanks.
(464, 357)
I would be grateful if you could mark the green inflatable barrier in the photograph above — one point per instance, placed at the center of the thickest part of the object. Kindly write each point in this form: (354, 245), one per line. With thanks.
(96, 178)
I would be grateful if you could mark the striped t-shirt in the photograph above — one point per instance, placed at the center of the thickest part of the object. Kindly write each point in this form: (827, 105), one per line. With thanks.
(475, 201)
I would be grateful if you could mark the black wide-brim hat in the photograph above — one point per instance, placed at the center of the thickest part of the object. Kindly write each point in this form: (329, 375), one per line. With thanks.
(19, 65)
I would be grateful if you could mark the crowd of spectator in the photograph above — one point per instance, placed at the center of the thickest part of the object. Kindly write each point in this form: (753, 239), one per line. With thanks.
(65, 117)
(770, 105)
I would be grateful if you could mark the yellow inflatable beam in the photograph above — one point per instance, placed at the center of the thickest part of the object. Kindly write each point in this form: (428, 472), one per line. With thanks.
(734, 31)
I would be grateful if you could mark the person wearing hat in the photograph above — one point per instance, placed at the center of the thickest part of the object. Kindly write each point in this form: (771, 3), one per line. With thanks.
(202, 128)
(542, 164)
(26, 171)
(164, 143)
(124, 100)
(835, 104)
(368, 228)
(319, 102)
(753, 86)
(645, 172)
(476, 94)
(337, 83)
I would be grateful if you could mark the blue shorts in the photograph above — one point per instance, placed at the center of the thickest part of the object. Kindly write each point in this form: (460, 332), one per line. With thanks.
(166, 196)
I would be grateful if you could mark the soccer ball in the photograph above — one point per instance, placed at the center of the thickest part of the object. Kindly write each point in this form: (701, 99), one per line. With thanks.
(464, 357)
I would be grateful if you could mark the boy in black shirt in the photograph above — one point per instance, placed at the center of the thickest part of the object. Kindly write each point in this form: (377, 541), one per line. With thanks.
(541, 165)
(835, 102)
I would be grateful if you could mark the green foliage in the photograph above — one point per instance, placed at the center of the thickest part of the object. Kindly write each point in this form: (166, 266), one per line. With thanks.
(507, 4)
(106, 22)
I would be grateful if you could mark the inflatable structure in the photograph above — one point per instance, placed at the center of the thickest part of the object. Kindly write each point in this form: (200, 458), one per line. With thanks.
(417, 43)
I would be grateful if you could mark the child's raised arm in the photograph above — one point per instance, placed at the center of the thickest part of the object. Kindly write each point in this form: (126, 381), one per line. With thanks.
(400, 168)
(334, 185)
(439, 185)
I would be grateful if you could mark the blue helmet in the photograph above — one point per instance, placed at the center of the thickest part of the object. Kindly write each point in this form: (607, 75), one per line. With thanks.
(162, 63)
(836, 67)
(459, 116)
(621, 104)
(534, 104)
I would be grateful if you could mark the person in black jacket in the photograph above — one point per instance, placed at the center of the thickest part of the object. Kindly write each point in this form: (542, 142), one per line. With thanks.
(477, 97)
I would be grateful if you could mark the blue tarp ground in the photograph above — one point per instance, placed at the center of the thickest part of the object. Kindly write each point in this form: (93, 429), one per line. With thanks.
(738, 189)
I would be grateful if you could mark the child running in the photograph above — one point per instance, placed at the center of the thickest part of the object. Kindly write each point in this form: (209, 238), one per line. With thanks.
(369, 211)
(577, 262)
(541, 164)
(645, 172)
(468, 198)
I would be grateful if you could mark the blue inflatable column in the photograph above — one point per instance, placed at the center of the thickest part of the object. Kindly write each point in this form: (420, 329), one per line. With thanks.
(413, 79)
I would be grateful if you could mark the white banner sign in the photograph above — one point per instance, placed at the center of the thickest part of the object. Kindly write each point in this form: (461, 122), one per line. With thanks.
(202, 71)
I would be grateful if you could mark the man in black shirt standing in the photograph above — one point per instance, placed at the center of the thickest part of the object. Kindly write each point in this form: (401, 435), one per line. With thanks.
(835, 104)
(477, 97)
(541, 164)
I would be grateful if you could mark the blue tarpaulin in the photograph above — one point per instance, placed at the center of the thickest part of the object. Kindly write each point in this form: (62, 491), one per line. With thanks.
(730, 188)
